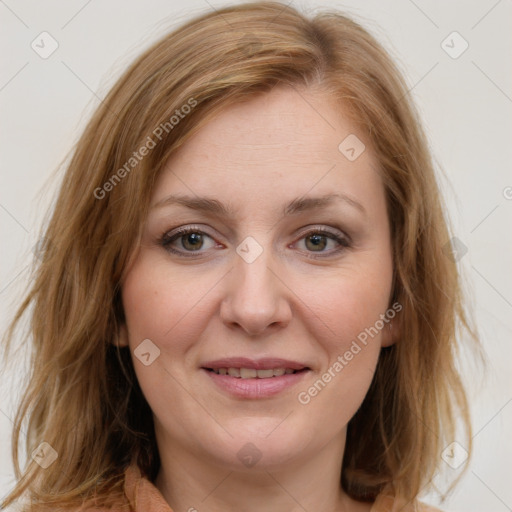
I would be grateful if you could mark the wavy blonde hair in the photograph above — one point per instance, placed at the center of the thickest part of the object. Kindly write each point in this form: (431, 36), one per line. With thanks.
(83, 397)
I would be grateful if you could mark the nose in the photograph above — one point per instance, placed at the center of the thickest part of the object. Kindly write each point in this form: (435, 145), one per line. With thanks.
(256, 298)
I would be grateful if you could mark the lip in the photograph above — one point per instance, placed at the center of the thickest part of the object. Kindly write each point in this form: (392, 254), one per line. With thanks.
(266, 363)
(255, 388)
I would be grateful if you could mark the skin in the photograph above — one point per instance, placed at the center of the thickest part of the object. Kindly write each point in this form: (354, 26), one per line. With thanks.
(296, 300)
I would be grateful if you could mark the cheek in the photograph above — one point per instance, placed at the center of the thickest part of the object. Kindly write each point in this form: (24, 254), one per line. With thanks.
(352, 347)
(167, 308)
(347, 304)
(347, 320)
(162, 305)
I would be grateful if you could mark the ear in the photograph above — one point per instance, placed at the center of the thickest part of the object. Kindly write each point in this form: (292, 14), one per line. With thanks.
(391, 332)
(121, 340)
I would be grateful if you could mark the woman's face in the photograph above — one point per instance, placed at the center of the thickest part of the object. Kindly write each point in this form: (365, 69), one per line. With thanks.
(285, 266)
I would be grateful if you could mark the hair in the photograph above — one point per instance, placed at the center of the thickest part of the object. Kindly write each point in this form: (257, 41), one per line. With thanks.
(83, 397)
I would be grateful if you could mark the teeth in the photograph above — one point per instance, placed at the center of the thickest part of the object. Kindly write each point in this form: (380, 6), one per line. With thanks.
(251, 373)
(248, 373)
(265, 374)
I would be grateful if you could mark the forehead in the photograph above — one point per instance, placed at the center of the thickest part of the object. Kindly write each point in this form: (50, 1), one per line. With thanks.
(277, 145)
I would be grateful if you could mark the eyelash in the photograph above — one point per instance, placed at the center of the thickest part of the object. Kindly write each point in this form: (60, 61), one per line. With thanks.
(167, 239)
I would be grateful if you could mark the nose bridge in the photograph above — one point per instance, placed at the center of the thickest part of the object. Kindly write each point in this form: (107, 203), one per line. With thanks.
(254, 298)
(253, 275)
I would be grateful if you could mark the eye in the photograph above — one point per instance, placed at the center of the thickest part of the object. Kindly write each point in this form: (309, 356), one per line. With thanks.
(192, 241)
(187, 240)
(319, 239)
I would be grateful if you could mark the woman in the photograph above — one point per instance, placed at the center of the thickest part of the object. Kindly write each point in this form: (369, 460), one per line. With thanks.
(243, 301)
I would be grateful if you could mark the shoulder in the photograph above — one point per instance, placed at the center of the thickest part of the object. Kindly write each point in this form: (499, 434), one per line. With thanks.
(114, 508)
(388, 503)
(110, 503)
(423, 507)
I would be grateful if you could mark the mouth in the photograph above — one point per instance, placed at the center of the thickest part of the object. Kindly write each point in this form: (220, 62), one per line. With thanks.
(252, 373)
(246, 378)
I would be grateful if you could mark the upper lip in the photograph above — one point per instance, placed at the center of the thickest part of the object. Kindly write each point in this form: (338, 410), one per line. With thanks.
(266, 363)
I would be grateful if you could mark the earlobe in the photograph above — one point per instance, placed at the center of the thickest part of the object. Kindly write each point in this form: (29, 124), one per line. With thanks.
(121, 340)
(390, 333)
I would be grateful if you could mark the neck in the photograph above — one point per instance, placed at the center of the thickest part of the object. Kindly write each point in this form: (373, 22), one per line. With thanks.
(188, 482)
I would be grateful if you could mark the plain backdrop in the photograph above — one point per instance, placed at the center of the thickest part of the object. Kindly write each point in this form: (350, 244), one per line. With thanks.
(464, 96)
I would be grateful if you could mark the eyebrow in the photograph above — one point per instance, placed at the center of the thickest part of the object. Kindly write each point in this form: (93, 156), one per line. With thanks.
(298, 205)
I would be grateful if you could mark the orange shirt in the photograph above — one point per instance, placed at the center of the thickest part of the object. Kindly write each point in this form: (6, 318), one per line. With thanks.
(142, 496)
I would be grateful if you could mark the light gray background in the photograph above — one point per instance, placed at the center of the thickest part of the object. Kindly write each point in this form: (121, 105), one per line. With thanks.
(466, 104)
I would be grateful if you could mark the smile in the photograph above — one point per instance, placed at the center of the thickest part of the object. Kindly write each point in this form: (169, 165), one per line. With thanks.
(252, 373)
(244, 378)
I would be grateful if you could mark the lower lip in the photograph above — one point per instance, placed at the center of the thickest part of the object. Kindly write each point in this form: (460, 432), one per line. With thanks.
(256, 388)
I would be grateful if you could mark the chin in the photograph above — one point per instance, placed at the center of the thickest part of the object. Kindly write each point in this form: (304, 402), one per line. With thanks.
(264, 443)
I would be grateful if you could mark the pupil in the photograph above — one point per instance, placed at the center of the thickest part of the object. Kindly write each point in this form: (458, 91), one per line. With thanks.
(317, 241)
(192, 241)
